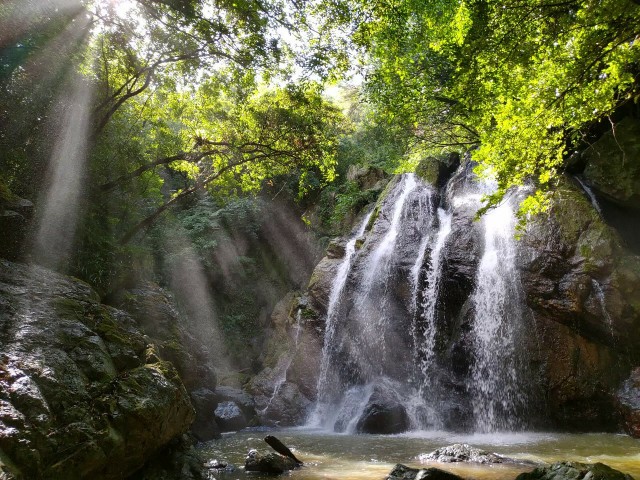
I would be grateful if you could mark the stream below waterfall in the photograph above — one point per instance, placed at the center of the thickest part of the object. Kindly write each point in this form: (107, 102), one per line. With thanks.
(354, 457)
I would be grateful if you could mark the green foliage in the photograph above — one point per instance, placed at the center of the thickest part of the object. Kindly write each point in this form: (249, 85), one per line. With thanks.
(522, 79)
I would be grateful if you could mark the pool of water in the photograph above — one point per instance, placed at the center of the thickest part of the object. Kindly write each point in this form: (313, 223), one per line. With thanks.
(370, 457)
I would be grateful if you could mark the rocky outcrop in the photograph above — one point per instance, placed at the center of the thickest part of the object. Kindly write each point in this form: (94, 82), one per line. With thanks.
(437, 170)
(575, 471)
(583, 288)
(154, 309)
(628, 397)
(84, 394)
(15, 218)
(613, 164)
(402, 472)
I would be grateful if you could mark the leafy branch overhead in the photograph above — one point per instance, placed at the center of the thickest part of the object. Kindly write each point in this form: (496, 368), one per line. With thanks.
(523, 80)
(232, 146)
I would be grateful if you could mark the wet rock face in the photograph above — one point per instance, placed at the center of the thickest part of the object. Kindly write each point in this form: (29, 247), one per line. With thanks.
(402, 472)
(575, 471)
(583, 289)
(83, 395)
(628, 398)
(383, 414)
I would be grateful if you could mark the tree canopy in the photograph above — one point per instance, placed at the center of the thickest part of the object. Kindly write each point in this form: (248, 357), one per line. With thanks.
(205, 97)
(521, 80)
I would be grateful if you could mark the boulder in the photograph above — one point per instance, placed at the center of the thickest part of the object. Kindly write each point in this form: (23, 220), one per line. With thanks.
(402, 472)
(321, 281)
(383, 414)
(271, 463)
(204, 426)
(229, 417)
(336, 248)
(461, 452)
(155, 310)
(575, 471)
(367, 177)
(181, 461)
(628, 397)
(83, 394)
(613, 164)
(243, 400)
(437, 170)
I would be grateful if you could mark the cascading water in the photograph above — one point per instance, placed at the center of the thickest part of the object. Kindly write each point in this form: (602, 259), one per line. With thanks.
(362, 325)
(330, 325)
(590, 194)
(425, 326)
(390, 297)
(497, 393)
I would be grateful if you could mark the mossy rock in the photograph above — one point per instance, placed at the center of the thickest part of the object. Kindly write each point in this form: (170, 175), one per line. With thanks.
(435, 170)
(575, 471)
(613, 163)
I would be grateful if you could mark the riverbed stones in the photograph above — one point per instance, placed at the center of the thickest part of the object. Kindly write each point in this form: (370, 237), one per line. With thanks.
(402, 472)
(575, 471)
(461, 452)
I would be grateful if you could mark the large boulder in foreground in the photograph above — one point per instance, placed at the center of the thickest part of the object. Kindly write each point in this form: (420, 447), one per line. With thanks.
(575, 471)
(83, 394)
(629, 403)
(402, 472)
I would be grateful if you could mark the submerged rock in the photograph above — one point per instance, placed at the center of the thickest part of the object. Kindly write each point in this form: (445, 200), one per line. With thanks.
(462, 452)
(271, 463)
(402, 472)
(629, 403)
(575, 471)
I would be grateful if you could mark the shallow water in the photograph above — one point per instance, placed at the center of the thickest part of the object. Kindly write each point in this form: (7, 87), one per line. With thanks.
(370, 457)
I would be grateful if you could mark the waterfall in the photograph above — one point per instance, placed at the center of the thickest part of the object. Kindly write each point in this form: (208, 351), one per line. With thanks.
(362, 340)
(334, 298)
(425, 325)
(590, 194)
(393, 329)
(597, 288)
(497, 395)
(376, 261)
